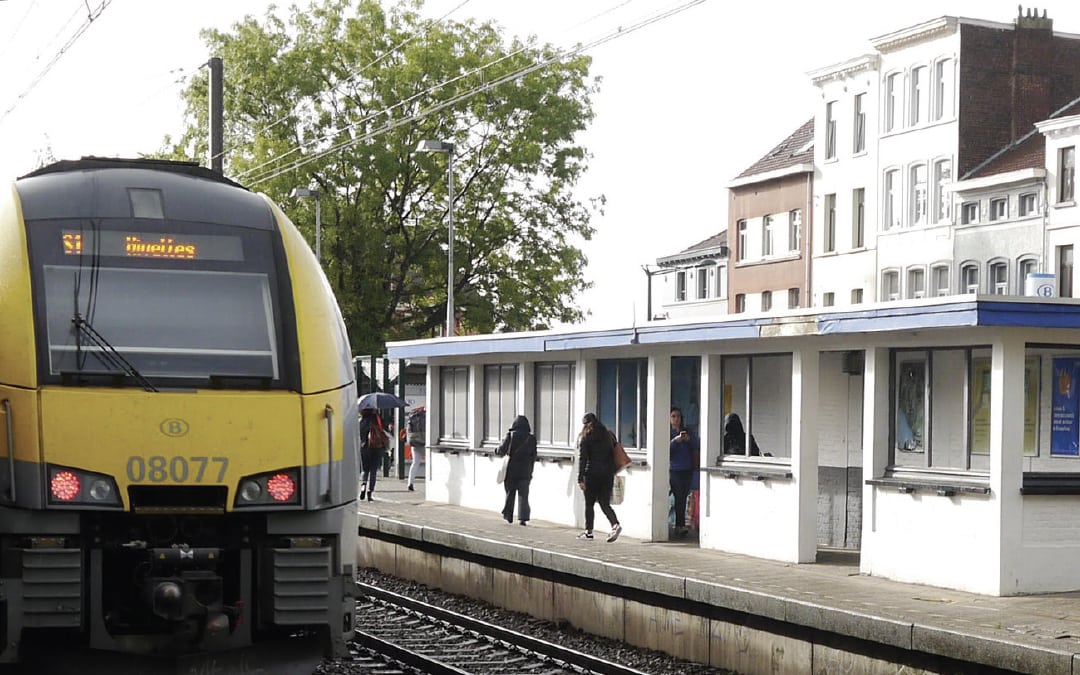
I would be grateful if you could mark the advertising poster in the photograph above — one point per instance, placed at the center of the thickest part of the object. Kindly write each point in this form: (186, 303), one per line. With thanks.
(980, 405)
(1063, 423)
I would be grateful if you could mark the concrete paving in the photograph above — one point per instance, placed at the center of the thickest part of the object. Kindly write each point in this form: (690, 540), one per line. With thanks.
(1036, 634)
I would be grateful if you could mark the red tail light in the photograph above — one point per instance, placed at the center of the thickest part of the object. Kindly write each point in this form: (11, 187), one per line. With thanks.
(281, 487)
(65, 486)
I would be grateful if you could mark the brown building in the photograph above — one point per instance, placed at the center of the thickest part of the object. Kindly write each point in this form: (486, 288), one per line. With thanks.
(769, 221)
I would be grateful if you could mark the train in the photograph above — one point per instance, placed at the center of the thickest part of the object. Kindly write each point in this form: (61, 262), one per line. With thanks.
(178, 450)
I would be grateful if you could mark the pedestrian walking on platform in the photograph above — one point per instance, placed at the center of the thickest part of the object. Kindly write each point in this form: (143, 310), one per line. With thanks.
(372, 446)
(596, 473)
(520, 446)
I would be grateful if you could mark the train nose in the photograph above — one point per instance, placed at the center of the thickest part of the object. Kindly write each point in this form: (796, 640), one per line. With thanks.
(168, 600)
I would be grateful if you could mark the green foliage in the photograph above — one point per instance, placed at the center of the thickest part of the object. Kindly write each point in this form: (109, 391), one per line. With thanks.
(337, 97)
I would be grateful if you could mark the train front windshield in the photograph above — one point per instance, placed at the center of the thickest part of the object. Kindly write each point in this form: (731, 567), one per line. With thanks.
(182, 304)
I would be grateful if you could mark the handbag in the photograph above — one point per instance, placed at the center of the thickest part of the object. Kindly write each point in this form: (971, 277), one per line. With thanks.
(501, 475)
(622, 460)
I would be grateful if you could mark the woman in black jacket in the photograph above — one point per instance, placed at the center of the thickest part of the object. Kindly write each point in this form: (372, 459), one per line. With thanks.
(520, 445)
(596, 473)
(370, 453)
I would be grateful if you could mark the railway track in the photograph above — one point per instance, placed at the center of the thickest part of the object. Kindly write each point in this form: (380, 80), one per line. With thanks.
(420, 638)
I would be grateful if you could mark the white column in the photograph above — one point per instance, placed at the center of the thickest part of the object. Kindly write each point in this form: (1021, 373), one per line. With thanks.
(711, 431)
(805, 365)
(1007, 456)
(877, 416)
(659, 439)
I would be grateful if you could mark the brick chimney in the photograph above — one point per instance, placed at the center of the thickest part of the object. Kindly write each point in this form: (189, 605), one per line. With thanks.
(1033, 59)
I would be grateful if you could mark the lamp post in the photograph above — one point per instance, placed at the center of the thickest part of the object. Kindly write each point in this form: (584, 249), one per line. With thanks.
(448, 148)
(309, 192)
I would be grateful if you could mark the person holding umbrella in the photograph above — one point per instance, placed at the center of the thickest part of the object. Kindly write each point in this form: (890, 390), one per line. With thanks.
(372, 447)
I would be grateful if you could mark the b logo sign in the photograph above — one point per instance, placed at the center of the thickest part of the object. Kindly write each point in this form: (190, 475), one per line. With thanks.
(174, 427)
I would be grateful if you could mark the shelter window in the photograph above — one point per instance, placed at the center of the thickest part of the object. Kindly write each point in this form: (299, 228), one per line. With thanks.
(554, 409)
(500, 400)
(622, 386)
(757, 389)
(454, 407)
(942, 421)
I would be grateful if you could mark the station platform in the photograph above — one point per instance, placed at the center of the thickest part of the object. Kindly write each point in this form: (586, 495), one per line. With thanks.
(1029, 634)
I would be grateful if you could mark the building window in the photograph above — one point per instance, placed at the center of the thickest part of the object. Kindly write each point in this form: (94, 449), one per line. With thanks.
(827, 299)
(1065, 271)
(794, 229)
(943, 89)
(943, 200)
(793, 298)
(919, 99)
(767, 236)
(890, 285)
(890, 212)
(969, 278)
(999, 208)
(500, 400)
(741, 252)
(680, 286)
(918, 195)
(740, 303)
(766, 301)
(856, 296)
(998, 277)
(721, 281)
(702, 283)
(454, 406)
(830, 130)
(859, 143)
(830, 223)
(939, 277)
(1024, 268)
(554, 405)
(1026, 204)
(1067, 167)
(916, 282)
(622, 398)
(892, 84)
(969, 213)
(858, 218)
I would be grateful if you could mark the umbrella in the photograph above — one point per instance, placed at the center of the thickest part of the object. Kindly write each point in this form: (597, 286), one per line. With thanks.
(380, 400)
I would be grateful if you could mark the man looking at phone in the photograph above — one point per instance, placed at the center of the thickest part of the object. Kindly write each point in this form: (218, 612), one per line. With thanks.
(684, 450)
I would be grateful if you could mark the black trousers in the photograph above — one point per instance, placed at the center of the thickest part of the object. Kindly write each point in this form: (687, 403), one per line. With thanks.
(598, 491)
(370, 458)
(680, 488)
(519, 488)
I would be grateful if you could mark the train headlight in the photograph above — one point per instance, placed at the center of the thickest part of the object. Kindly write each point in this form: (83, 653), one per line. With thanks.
(250, 491)
(69, 486)
(272, 489)
(100, 490)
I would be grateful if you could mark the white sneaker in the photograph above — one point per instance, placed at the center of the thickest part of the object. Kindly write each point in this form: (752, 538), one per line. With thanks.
(615, 532)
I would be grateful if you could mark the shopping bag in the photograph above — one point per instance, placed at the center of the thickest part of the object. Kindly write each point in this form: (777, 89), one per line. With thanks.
(618, 488)
(501, 476)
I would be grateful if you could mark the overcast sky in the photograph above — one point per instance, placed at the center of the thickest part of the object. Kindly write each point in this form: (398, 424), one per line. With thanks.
(687, 102)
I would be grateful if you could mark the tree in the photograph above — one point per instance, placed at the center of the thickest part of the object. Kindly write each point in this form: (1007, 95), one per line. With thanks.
(339, 96)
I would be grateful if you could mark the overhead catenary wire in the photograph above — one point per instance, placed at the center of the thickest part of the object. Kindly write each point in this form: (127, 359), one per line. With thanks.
(433, 88)
(92, 15)
(616, 33)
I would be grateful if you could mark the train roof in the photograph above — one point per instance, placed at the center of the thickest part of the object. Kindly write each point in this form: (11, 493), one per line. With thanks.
(90, 163)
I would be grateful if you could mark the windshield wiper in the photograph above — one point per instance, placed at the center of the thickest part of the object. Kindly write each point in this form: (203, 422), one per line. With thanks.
(108, 355)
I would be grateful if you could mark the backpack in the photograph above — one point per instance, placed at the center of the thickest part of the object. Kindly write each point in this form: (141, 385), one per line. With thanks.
(376, 439)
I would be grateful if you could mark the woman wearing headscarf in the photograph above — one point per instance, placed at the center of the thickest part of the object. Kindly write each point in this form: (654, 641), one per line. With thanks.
(520, 445)
(735, 437)
(596, 473)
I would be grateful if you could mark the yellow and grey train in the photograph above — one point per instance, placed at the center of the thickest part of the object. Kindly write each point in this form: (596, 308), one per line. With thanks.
(177, 420)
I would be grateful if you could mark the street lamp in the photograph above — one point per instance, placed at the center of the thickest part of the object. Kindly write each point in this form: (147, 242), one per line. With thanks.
(309, 192)
(448, 148)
